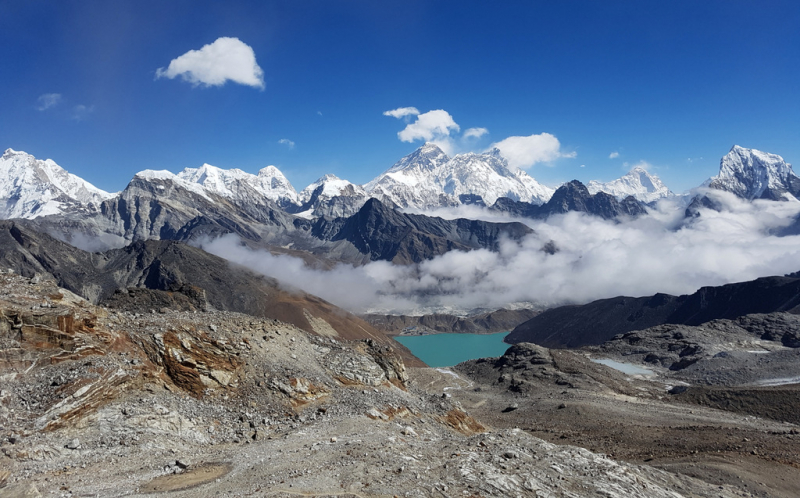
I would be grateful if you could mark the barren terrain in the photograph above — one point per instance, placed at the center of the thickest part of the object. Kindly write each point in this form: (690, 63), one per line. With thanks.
(107, 402)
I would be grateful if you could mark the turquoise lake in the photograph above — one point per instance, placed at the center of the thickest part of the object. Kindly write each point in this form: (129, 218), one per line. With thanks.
(446, 350)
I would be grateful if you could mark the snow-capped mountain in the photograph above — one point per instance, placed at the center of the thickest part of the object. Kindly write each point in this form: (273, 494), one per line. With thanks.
(428, 178)
(752, 174)
(332, 197)
(638, 182)
(30, 188)
(241, 186)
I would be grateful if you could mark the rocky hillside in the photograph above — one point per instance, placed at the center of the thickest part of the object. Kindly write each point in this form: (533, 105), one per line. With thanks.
(382, 233)
(191, 277)
(214, 403)
(598, 321)
(705, 420)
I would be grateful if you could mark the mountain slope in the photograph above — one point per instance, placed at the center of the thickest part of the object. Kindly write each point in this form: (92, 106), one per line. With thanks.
(30, 188)
(382, 233)
(573, 196)
(175, 267)
(599, 321)
(638, 183)
(752, 174)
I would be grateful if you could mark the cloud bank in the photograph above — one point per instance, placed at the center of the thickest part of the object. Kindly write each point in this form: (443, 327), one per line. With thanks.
(596, 259)
(226, 59)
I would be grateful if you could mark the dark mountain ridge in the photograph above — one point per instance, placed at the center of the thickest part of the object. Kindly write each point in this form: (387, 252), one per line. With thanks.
(599, 321)
(573, 196)
(174, 267)
(383, 233)
(160, 209)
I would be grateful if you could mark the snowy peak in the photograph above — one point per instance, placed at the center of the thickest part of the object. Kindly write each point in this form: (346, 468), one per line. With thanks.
(488, 175)
(426, 158)
(332, 197)
(240, 186)
(30, 188)
(753, 174)
(330, 186)
(428, 178)
(157, 177)
(638, 182)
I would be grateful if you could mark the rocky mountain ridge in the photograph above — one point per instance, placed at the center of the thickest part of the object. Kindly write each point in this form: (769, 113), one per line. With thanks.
(598, 321)
(196, 279)
(574, 196)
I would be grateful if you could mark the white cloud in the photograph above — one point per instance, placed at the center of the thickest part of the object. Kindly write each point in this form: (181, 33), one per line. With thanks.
(475, 133)
(216, 63)
(47, 100)
(659, 252)
(402, 112)
(613, 155)
(430, 126)
(81, 112)
(286, 142)
(524, 152)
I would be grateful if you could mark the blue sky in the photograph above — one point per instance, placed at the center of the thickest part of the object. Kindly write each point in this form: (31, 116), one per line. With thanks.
(672, 83)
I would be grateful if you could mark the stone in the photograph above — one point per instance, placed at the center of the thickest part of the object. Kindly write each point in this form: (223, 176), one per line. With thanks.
(26, 490)
(75, 444)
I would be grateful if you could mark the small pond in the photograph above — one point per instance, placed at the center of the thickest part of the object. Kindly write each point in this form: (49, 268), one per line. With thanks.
(626, 368)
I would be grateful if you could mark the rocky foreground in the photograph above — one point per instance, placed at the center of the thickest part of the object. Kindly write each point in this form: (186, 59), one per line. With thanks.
(107, 402)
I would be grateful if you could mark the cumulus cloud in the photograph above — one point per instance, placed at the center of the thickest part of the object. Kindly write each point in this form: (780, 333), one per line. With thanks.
(475, 133)
(524, 152)
(226, 59)
(596, 259)
(47, 100)
(402, 112)
(286, 142)
(429, 126)
(613, 155)
(433, 126)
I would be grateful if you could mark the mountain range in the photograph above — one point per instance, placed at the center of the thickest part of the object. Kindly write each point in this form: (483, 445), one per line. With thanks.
(334, 220)
(426, 179)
